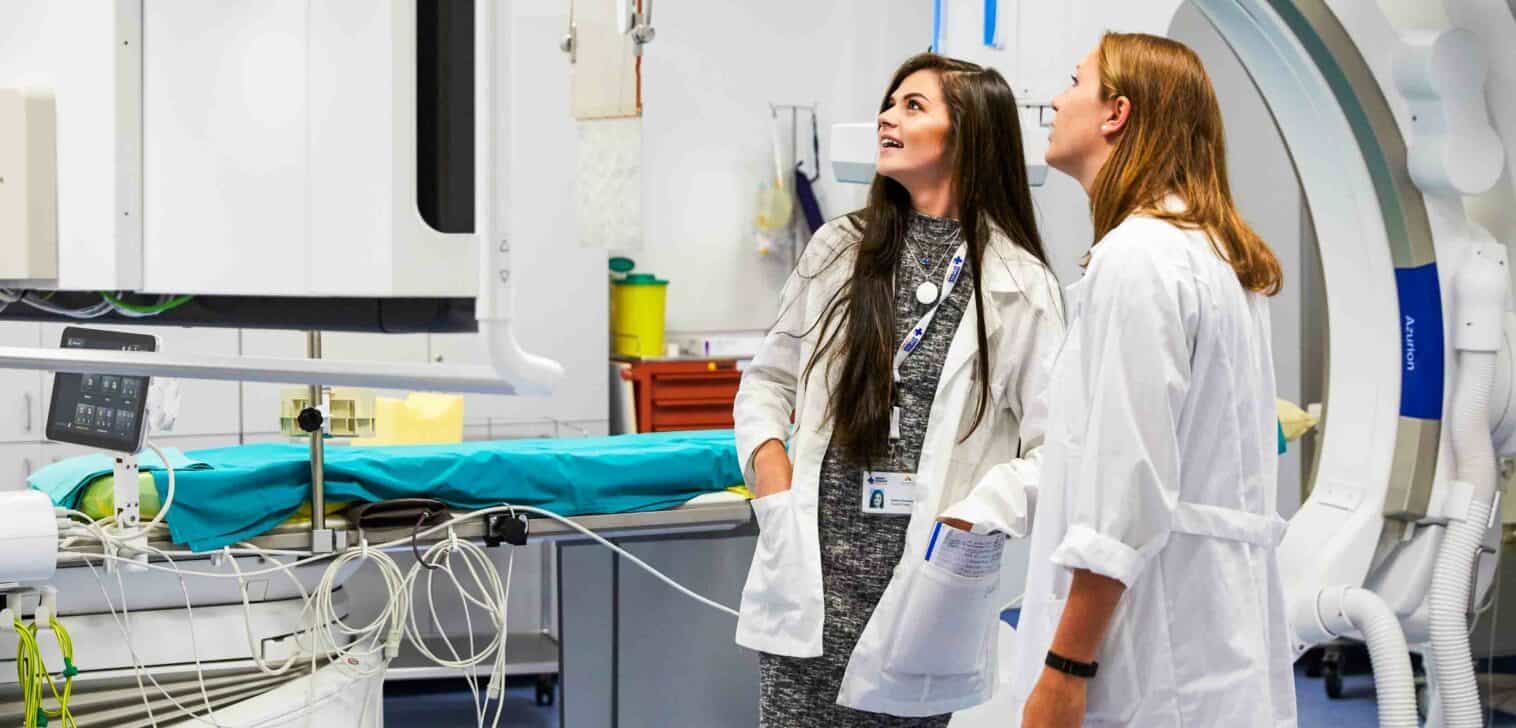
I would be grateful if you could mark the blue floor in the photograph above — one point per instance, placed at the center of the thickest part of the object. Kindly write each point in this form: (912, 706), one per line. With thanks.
(448, 703)
(1355, 709)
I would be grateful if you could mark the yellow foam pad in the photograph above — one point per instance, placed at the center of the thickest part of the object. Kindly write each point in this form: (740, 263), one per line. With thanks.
(422, 418)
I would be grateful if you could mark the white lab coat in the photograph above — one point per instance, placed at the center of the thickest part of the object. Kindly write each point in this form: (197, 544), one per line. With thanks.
(896, 667)
(1159, 471)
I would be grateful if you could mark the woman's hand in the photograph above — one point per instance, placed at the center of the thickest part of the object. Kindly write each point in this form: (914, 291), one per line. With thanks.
(1057, 701)
(772, 468)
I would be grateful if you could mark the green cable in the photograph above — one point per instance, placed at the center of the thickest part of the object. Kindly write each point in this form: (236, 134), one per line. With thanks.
(33, 676)
(65, 646)
(27, 657)
(157, 308)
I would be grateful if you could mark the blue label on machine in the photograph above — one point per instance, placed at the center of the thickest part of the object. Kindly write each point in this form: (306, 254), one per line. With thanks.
(1420, 342)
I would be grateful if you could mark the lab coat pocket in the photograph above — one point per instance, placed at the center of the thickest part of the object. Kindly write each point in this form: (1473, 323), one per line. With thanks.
(777, 536)
(945, 623)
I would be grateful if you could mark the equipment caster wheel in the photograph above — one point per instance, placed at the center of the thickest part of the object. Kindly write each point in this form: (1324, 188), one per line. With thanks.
(1331, 673)
(546, 689)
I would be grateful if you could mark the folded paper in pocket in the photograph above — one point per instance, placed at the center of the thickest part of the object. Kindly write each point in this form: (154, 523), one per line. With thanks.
(966, 554)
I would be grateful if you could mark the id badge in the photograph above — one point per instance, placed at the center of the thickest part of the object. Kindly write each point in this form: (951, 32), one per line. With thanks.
(888, 494)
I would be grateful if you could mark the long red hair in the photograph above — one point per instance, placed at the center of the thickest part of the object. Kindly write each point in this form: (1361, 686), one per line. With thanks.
(1173, 143)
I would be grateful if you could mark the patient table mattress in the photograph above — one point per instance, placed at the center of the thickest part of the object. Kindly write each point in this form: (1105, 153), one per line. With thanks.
(226, 495)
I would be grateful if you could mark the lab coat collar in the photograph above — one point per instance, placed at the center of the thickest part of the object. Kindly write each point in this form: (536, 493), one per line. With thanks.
(1001, 256)
(1173, 203)
(1170, 203)
(1005, 263)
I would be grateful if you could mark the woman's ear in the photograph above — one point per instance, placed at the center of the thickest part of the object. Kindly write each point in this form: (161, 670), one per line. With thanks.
(1118, 110)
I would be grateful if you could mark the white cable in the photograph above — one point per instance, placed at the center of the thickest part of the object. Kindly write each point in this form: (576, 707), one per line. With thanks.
(397, 618)
(629, 557)
(194, 639)
(369, 639)
(459, 519)
(497, 682)
(247, 621)
(457, 662)
(493, 598)
(168, 499)
(397, 543)
(88, 312)
(138, 666)
(124, 625)
(129, 313)
(138, 669)
(1489, 654)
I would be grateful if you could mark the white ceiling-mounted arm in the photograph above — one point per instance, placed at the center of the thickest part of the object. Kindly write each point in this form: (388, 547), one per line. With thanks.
(494, 304)
(1454, 150)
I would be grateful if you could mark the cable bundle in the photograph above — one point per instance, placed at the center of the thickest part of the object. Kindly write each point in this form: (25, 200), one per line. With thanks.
(361, 651)
(33, 675)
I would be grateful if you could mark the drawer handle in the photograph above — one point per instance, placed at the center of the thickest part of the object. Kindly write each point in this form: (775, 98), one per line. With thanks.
(718, 377)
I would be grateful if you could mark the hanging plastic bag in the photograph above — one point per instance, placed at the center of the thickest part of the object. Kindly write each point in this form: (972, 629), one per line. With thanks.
(776, 202)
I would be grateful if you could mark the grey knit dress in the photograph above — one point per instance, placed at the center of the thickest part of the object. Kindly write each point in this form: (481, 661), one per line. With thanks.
(859, 551)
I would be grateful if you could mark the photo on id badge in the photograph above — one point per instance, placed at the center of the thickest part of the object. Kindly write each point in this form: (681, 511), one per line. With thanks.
(888, 494)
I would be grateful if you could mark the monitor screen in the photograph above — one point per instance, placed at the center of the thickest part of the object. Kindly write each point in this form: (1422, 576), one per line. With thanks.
(100, 410)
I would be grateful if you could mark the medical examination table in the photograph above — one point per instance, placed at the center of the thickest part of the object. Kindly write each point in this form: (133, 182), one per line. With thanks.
(624, 646)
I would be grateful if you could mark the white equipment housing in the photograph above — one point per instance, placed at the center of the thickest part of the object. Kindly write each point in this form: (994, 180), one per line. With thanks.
(225, 149)
(28, 538)
(234, 149)
(304, 116)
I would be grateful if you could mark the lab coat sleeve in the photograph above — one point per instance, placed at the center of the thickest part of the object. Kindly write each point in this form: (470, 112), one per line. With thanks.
(1004, 500)
(1134, 339)
(766, 395)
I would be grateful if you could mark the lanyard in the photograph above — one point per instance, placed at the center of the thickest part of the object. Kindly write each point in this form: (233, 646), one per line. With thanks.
(918, 332)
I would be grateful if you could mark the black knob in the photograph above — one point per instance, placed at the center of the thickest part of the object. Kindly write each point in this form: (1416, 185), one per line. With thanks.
(310, 419)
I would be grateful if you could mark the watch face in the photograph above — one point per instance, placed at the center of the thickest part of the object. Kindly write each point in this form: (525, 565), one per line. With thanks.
(100, 410)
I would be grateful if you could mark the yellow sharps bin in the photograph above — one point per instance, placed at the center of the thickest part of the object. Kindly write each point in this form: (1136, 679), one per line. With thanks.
(638, 301)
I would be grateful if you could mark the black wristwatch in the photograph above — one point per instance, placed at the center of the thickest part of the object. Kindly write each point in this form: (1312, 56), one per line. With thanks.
(1071, 667)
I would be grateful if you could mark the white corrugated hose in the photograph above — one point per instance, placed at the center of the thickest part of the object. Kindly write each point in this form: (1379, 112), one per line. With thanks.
(1453, 575)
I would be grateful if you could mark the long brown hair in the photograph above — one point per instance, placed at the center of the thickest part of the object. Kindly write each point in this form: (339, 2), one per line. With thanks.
(989, 174)
(1173, 142)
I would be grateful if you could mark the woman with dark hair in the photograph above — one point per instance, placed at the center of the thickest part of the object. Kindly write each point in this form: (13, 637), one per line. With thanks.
(911, 341)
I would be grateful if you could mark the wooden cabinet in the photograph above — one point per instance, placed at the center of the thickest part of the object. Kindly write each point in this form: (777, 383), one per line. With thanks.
(673, 395)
